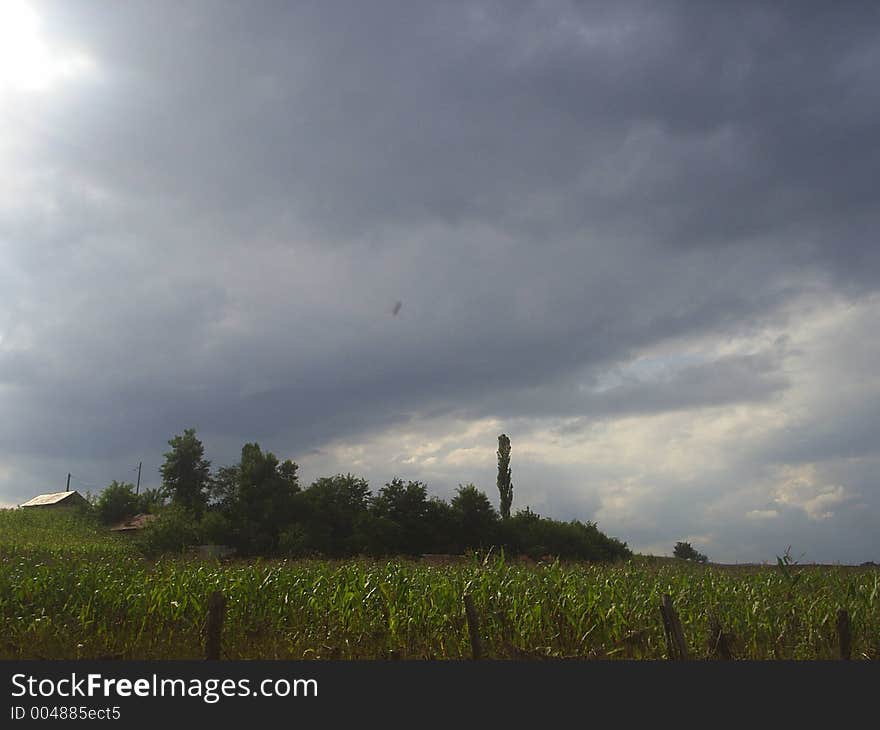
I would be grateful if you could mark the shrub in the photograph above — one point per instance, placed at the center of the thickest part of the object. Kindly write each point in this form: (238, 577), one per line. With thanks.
(215, 528)
(175, 530)
(117, 502)
(293, 542)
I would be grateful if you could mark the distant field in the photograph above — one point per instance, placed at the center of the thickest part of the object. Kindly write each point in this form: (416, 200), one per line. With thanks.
(69, 589)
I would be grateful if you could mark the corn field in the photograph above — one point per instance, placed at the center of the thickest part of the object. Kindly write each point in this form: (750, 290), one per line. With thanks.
(91, 598)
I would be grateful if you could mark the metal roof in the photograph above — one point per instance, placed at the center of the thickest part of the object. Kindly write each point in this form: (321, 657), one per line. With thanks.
(53, 498)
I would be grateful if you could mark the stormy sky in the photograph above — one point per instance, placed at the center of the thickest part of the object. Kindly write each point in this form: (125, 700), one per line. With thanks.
(639, 238)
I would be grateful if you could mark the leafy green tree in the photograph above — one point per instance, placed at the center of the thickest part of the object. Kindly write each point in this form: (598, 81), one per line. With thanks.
(505, 486)
(259, 499)
(186, 472)
(405, 506)
(441, 527)
(288, 471)
(337, 514)
(686, 551)
(475, 516)
(376, 536)
(223, 485)
(117, 502)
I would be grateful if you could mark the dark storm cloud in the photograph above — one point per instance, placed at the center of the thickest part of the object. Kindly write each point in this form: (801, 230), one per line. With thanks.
(698, 124)
(213, 228)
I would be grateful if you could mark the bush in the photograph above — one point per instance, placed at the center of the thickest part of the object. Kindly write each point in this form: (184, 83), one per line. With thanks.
(215, 528)
(117, 502)
(294, 542)
(175, 530)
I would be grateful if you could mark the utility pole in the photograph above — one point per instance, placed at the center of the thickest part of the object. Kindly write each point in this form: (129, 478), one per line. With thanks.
(138, 488)
(68, 481)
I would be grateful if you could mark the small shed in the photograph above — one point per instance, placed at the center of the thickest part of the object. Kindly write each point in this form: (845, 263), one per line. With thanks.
(57, 500)
(133, 524)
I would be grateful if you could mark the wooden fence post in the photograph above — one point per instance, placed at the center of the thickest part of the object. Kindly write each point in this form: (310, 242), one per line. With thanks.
(473, 623)
(214, 627)
(675, 643)
(844, 637)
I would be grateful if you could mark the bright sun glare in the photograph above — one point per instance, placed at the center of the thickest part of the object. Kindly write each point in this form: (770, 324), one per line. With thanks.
(27, 61)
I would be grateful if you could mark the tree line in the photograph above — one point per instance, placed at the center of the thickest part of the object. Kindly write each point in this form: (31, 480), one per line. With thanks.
(258, 507)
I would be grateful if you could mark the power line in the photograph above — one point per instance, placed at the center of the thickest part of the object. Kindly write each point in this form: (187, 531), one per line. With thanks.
(83, 483)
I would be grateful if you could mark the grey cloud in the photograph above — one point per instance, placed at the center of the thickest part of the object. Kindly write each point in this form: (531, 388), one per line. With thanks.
(354, 117)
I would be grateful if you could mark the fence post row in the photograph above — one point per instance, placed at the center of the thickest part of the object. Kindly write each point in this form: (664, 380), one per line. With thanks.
(214, 627)
(676, 646)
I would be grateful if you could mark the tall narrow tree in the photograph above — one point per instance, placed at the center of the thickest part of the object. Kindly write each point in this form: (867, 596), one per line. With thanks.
(505, 487)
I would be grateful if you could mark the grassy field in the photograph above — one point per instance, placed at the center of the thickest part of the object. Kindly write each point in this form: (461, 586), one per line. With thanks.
(69, 589)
